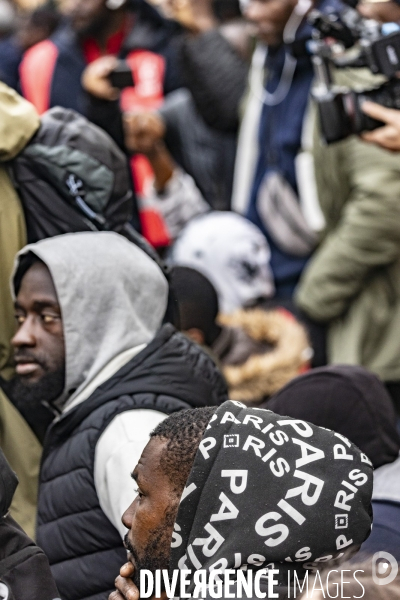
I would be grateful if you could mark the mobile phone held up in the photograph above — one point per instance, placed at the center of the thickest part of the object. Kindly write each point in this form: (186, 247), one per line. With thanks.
(122, 77)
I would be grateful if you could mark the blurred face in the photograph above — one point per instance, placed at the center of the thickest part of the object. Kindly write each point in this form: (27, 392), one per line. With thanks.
(39, 342)
(165, 6)
(385, 12)
(180, 10)
(268, 18)
(87, 16)
(151, 516)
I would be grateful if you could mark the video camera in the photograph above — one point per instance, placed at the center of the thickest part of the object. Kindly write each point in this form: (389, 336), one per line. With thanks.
(345, 39)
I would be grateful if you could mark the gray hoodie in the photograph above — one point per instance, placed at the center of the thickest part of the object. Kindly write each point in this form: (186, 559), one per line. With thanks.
(112, 296)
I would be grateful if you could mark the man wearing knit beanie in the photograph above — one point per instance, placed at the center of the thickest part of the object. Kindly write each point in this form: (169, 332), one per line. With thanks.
(243, 489)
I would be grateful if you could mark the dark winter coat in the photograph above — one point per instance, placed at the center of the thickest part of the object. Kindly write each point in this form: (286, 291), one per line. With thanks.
(205, 152)
(84, 548)
(216, 75)
(24, 569)
(385, 535)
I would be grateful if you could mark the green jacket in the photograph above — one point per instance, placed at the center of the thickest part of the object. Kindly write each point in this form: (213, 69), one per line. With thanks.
(353, 280)
(18, 122)
(23, 452)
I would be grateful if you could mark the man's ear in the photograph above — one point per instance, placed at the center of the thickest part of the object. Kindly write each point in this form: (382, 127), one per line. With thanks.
(196, 335)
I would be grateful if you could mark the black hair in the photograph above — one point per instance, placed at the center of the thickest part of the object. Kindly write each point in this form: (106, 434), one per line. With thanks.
(46, 16)
(183, 430)
(226, 10)
(25, 263)
(197, 301)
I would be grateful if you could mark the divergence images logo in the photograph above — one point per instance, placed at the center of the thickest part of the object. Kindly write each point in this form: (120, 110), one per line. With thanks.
(384, 568)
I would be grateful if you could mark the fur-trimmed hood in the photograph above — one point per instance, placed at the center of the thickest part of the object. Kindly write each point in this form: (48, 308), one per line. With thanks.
(264, 374)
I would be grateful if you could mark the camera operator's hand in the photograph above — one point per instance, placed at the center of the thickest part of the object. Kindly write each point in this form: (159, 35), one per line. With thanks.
(385, 12)
(144, 131)
(96, 78)
(126, 589)
(388, 136)
(196, 15)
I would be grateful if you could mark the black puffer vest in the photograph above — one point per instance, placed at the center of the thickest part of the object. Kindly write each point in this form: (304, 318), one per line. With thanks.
(84, 549)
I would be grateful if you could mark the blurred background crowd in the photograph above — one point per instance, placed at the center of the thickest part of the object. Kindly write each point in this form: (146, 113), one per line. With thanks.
(251, 150)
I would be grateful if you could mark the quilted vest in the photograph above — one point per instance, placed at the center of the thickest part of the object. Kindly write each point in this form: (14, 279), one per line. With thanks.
(84, 549)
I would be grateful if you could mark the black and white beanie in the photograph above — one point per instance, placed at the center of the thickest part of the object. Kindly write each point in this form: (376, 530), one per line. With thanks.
(267, 491)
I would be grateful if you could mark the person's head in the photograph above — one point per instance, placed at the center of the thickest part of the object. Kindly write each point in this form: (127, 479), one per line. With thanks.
(37, 26)
(226, 10)
(198, 304)
(39, 349)
(161, 475)
(384, 11)
(269, 18)
(241, 470)
(349, 400)
(81, 300)
(92, 17)
(232, 253)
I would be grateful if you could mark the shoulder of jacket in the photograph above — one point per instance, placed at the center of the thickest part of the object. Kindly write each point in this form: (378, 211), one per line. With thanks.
(39, 51)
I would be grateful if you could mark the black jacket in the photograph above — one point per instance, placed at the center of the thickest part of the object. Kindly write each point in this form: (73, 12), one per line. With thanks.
(24, 569)
(216, 75)
(206, 153)
(84, 549)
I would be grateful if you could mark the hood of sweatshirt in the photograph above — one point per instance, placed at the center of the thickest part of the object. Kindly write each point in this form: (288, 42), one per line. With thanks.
(171, 373)
(348, 399)
(113, 297)
(267, 491)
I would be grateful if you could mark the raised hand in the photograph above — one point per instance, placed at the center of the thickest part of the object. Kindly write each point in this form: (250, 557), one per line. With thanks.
(126, 589)
(144, 131)
(388, 136)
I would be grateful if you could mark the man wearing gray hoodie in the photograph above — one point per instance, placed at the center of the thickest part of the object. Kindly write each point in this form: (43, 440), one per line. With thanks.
(90, 307)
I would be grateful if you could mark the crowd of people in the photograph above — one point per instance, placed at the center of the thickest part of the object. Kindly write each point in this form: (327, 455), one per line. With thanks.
(199, 292)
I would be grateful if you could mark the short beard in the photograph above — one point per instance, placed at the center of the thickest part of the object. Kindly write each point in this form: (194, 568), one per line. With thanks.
(47, 389)
(157, 553)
